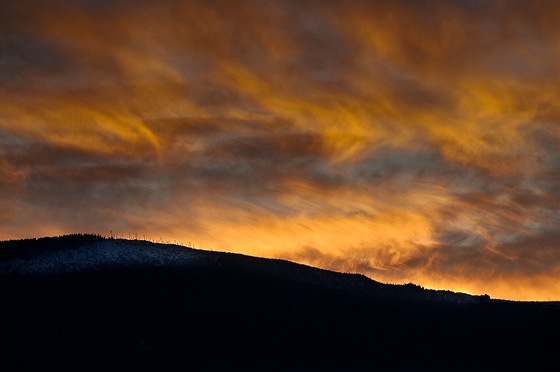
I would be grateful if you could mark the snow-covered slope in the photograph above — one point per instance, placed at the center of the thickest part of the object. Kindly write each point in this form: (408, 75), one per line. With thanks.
(104, 254)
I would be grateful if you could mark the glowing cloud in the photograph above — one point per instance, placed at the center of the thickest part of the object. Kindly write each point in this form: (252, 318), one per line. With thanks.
(406, 140)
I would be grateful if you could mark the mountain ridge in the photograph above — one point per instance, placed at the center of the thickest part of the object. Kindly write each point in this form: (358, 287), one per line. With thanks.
(102, 252)
(90, 303)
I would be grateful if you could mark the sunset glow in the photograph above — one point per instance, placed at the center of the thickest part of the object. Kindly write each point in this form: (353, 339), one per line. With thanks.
(411, 141)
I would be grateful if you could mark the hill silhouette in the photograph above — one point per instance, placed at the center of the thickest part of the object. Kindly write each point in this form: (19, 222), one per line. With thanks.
(84, 302)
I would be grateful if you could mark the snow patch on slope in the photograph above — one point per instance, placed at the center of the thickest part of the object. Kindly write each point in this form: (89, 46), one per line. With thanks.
(105, 254)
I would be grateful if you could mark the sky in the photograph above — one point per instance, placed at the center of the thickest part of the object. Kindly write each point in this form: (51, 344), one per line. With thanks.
(410, 141)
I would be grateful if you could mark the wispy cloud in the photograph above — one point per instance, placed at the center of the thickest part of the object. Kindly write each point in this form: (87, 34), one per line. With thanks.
(410, 141)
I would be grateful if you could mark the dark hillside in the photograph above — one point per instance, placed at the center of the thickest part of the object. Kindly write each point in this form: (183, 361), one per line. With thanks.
(88, 303)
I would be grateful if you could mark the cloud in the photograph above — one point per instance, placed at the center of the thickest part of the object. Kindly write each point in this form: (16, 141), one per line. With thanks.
(411, 141)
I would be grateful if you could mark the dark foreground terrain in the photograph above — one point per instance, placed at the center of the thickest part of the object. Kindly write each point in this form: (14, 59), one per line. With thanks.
(88, 303)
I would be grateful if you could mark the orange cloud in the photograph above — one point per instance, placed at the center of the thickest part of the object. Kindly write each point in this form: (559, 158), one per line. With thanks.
(404, 141)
